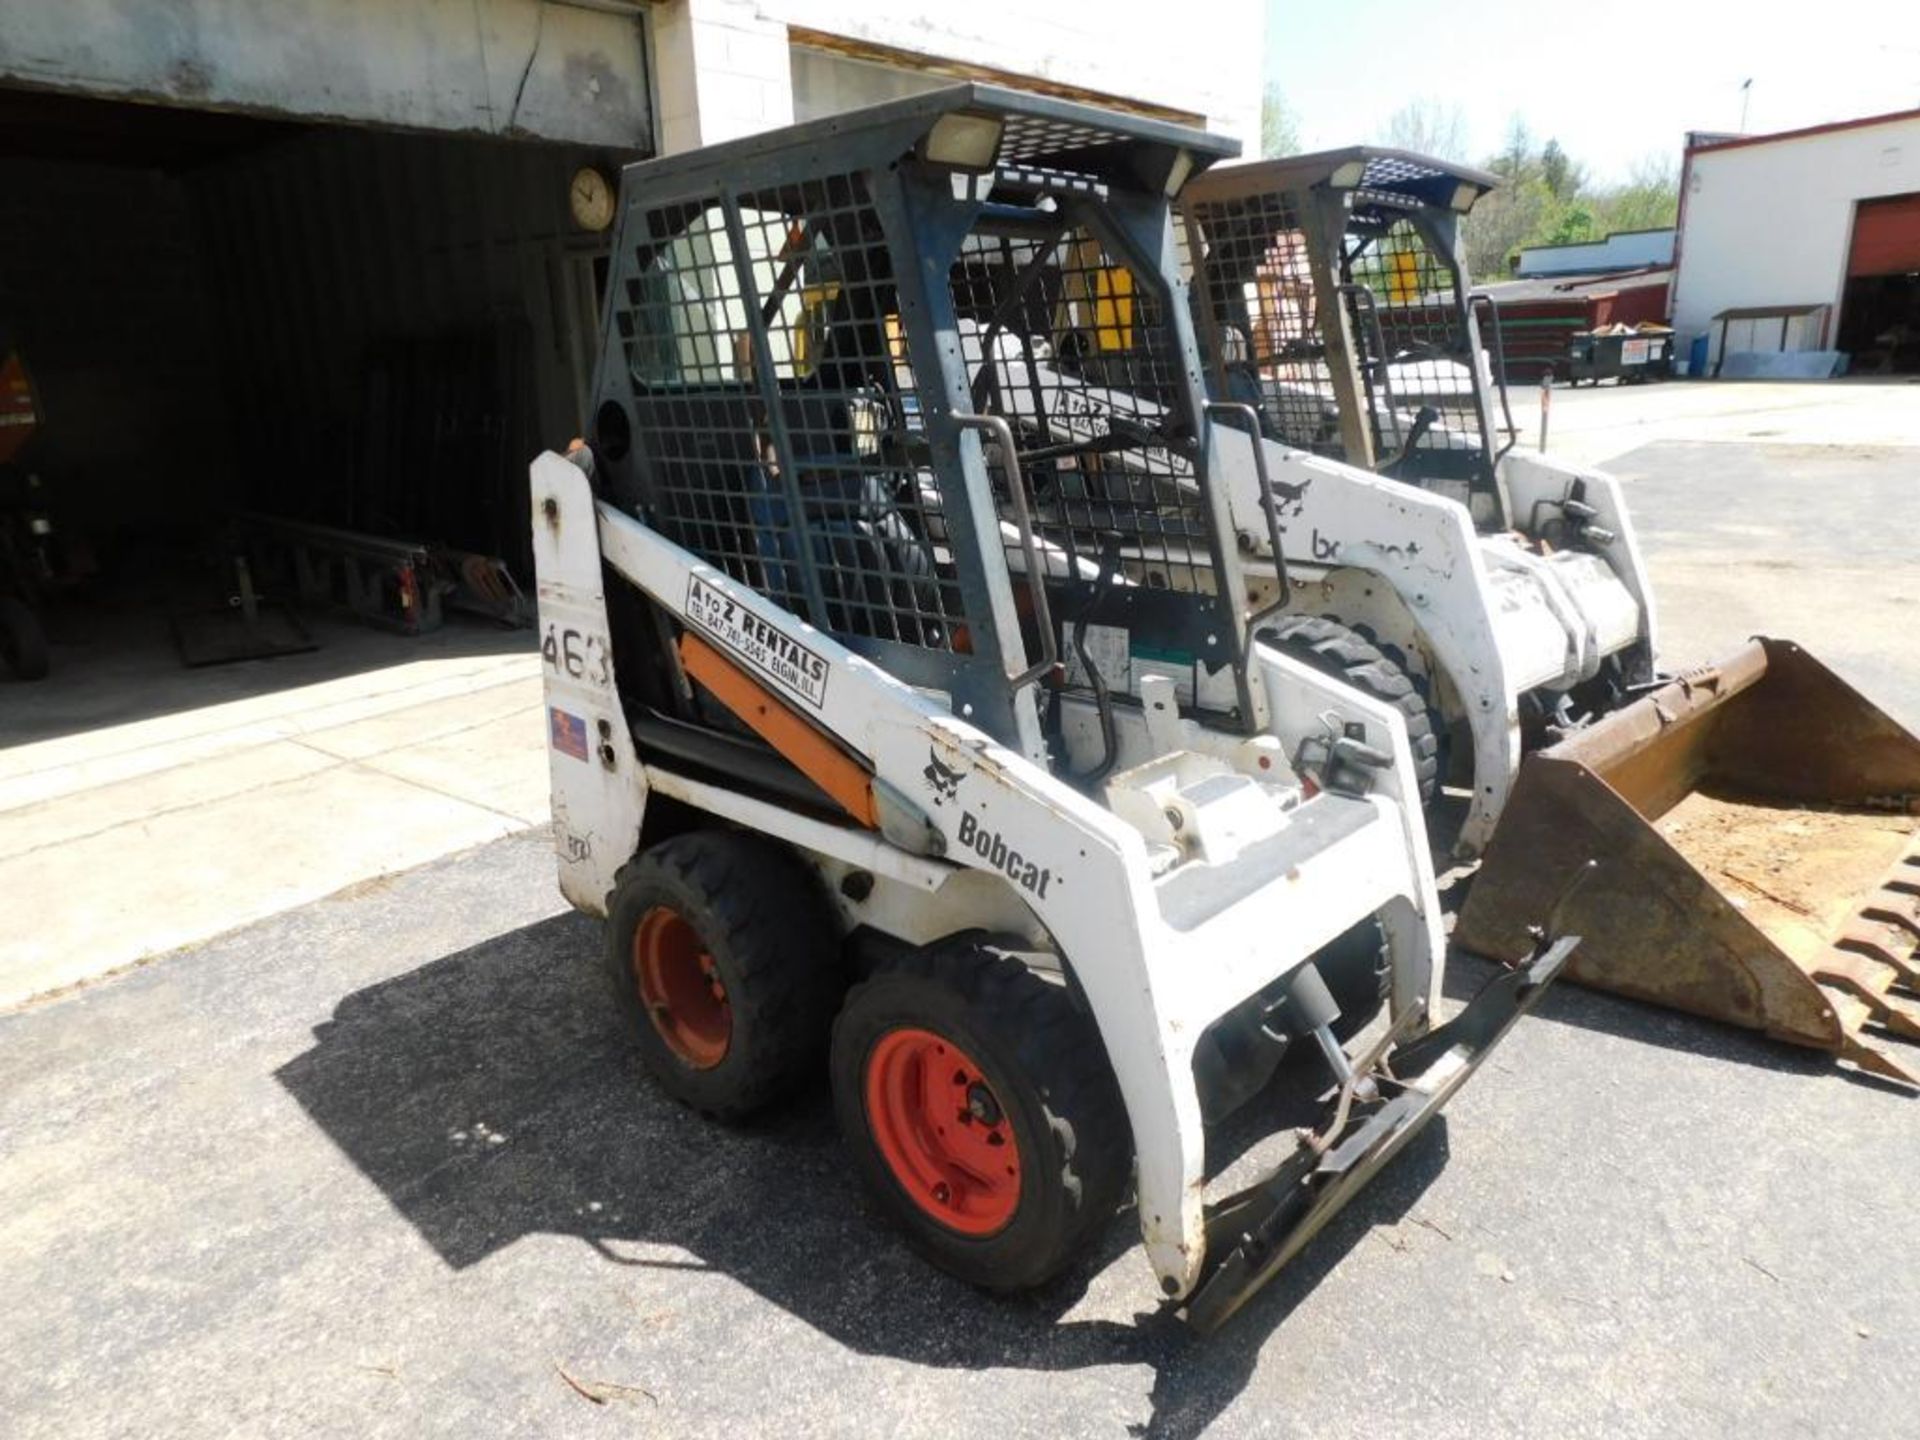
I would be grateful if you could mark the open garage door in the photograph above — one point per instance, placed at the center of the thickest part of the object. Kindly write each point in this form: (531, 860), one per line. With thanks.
(334, 325)
(1880, 308)
(322, 263)
(1886, 237)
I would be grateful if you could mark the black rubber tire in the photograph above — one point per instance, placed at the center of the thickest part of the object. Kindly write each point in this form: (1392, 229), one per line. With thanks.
(1042, 1057)
(1346, 654)
(759, 913)
(23, 640)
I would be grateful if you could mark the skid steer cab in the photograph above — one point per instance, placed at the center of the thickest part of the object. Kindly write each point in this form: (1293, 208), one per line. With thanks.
(1332, 297)
(889, 727)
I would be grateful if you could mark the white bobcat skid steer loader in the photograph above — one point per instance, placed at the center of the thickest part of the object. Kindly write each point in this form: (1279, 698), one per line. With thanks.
(1331, 296)
(808, 721)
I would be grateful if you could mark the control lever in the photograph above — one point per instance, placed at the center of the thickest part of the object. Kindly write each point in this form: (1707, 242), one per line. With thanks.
(1349, 750)
(1424, 419)
(1583, 515)
(1343, 758)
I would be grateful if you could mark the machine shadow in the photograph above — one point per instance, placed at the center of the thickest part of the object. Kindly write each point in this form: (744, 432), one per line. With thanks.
(490, 1095)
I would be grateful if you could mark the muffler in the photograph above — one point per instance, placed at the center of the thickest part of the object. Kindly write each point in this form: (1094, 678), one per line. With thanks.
(1755, 823)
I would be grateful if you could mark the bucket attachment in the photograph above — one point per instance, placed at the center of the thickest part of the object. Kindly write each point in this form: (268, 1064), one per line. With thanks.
(1760, 856)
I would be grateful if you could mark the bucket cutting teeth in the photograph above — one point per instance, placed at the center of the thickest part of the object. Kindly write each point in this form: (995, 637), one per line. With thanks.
(1875, 964)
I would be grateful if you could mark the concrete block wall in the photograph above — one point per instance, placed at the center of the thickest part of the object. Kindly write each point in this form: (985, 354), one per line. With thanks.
(721, 70)
(571, 72)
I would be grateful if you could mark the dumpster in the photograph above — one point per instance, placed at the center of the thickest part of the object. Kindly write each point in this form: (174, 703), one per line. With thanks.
(1620, 353)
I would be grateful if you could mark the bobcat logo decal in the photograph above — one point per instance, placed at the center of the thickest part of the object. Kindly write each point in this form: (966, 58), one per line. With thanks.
(943, 781)
(1287, 500)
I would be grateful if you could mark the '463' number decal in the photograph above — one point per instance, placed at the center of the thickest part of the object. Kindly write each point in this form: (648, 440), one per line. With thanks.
(576, 654)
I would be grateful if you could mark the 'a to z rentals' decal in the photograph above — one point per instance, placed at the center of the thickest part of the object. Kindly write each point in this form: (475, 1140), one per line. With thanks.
(774, 654)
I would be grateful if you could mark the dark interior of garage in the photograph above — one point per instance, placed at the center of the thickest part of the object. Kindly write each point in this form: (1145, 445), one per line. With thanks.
(1880, 306)
(1880, 324)
(226, 316)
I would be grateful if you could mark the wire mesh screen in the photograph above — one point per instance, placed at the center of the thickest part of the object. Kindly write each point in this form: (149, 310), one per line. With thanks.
(1415, 357)
(775, 409)
(1248, 258)
(1075, 351)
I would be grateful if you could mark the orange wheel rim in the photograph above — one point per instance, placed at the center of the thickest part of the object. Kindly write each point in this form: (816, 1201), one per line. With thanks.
(681, 988)
(942, 1131)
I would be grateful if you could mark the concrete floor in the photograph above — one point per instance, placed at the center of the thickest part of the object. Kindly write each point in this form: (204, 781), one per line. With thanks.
(1594, 424)
(144, 806)
(384, 1164)
(1767, 508)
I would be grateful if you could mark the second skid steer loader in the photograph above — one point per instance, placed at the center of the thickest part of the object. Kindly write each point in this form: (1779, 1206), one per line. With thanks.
(1756, 816)
(817, 760)
(1331, 295)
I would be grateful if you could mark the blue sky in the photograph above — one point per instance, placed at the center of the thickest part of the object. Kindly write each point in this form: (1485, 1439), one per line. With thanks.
(1612, 83)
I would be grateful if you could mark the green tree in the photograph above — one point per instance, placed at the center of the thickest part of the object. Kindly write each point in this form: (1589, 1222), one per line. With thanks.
(1564, 178)
(1569, 224)
(1546, 198)
(1517, 160)
(1279, 130)
(1502, 223)
(1649, 200)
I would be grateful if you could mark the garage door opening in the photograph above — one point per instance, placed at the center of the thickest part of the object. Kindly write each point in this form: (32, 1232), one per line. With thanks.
(1880, 306)
(244, 332)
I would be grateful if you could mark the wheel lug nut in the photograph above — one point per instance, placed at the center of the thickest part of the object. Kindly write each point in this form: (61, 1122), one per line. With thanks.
(942, 1193)
(981, 1104)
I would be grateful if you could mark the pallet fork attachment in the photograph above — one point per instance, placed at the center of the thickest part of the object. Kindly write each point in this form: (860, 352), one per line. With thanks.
(1393, 1092)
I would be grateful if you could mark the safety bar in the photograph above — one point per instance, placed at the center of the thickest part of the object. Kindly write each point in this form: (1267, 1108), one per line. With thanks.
(1268, 504)
(1381, 374)
(1476, 301)
(1023, 521)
